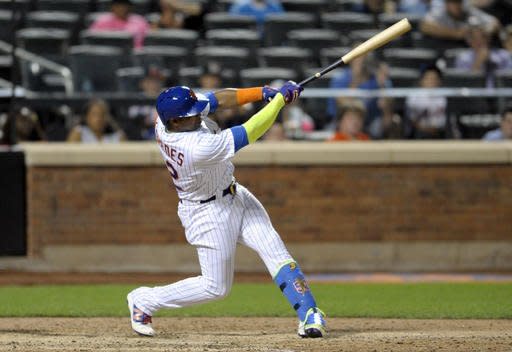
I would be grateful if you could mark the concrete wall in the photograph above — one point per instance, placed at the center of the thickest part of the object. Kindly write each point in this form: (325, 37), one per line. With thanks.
(414, 206)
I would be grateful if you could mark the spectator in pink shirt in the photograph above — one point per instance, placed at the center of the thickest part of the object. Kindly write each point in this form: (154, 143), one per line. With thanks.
(120, 18)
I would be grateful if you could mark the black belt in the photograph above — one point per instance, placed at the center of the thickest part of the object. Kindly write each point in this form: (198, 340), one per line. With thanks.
(230, 190)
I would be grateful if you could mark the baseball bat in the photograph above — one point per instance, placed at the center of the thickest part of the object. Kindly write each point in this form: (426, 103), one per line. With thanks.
(378, 40)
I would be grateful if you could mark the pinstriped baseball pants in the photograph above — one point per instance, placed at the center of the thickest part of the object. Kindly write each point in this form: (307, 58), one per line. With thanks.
(215, 228)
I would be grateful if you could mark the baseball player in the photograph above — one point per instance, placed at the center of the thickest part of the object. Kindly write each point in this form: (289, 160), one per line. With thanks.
(215, 210)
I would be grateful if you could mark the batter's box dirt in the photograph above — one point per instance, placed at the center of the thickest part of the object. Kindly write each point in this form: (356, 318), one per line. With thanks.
(253, 334)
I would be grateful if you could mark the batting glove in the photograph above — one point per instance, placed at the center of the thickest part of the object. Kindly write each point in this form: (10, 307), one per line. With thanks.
(290, 91)
(269, 93)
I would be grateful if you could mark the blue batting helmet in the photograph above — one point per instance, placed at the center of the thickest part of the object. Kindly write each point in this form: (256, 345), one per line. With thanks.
(178, 102)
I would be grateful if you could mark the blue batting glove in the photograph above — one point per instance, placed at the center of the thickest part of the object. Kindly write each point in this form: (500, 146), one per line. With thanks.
(269, 93)
(290, 91)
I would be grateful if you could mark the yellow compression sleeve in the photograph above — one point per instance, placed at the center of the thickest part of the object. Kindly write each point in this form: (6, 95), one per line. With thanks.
(260, 122)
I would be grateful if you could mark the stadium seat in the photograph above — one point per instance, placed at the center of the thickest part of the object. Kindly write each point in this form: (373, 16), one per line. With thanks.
(504, 79)
(5, 66)
(450, 56)
(409, 58)
(260, 76)
(189, 76)
(404, 77)
(176, 37)
(119, 39)
(418, 40)
(474, 119)
(463, 79)
(313, 39)
(344, 5)
(153, 17)
(228, 59)
(141, 7)
(225, 20)
(241, 38)
(223, 5)
(330, 55)
(91, 17)
(23, 5)
(163, 57)
(94, 67)
(286, 57)
(128, 78)
(75, 6)
(48, 42)
(316, 7)
(53, 19)
(277, 26)
(346, 22)
(5, 24)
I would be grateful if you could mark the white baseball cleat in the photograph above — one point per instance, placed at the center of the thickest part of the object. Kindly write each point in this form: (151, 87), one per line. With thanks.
(314, 324)
(141, 322)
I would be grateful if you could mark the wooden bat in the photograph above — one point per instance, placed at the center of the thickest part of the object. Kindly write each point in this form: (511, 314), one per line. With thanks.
(378, 40)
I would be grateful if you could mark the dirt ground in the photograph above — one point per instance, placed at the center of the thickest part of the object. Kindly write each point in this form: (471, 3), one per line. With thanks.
(253, 334)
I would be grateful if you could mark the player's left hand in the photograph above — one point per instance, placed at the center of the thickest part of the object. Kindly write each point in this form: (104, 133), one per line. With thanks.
(290, 91)
(269, 93)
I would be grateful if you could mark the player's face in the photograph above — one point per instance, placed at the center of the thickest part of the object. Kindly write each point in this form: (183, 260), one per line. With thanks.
(186, 124)
(506, 126)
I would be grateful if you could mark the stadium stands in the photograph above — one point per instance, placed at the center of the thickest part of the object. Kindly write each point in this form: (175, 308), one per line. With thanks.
(311, 34)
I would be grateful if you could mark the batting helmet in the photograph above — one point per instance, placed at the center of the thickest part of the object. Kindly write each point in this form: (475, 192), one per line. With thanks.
(178, 102)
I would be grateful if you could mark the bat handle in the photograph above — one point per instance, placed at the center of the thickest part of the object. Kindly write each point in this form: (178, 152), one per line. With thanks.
(321, 73)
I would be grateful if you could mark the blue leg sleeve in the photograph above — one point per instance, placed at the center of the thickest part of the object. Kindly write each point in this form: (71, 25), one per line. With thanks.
(292, 283)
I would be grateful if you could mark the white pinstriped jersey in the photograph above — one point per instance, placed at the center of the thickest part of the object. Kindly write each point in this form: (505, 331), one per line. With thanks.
(199, 161)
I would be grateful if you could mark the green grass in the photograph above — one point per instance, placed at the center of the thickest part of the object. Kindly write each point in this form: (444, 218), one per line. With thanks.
(426, 300)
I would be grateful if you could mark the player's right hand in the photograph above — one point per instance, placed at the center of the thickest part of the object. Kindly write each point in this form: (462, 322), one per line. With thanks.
(269, 93)
(290, 91)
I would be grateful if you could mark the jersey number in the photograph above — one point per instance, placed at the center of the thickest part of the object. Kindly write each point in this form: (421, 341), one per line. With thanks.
(172, 170)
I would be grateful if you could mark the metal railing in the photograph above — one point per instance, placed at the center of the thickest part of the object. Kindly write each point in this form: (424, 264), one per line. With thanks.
(23, 54)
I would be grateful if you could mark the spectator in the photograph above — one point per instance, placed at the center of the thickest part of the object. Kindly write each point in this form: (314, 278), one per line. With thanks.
(275, 133)
(28, 127)
(504, 132)
(97, 125)
(258, 9)
(350, 123)
(296, 122)
(188, 14)
(426, 114)
(170, 17)
(141, 118)
(363, 73)
(121, 18)
(480, 57)
(391, 122)
(451, 22)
